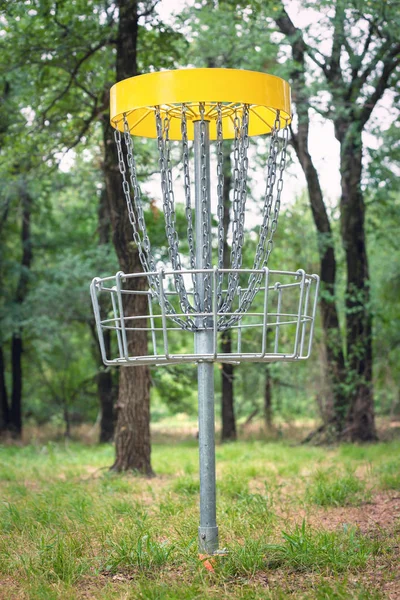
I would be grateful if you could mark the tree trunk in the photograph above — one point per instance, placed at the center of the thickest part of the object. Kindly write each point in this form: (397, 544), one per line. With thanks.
(67, 421)
(329, 314)
(4, 410)
(228, 432)
(133, 409)
(336, 372)
(105, 388)
(360, 421)
(268, 398)
(15, 420)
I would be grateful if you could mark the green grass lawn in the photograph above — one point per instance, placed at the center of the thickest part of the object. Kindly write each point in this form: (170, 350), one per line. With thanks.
(297, 522)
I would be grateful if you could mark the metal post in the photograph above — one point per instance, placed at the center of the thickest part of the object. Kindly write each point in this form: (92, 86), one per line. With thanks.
(204, 344)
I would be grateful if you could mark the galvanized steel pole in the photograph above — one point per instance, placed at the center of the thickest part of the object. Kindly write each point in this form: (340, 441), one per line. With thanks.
(208, 530)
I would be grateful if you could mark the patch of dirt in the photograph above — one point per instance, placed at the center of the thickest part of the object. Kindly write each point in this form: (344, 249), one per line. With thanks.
(9, 589)
(381, 513)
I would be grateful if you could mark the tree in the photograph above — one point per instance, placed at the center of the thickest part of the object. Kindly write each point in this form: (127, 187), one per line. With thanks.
(72, 65)
(133, 408)
(356, 73)
(335, 370)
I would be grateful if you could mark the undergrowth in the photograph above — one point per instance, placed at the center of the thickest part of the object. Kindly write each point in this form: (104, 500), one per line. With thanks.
(70, 529)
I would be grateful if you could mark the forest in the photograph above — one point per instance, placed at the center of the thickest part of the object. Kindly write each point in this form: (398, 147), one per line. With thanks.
(58, 63)
(63, 221)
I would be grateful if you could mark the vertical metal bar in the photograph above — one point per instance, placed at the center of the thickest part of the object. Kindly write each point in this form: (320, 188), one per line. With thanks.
(302, 274)
(204, 344)
(265, 317)
(163, 315)
(215, 311)
(316, 278)
(239, 340)
(114, 306)
(96, 309)
(278, 318)
(153, 332)
(121, 312)
(304, 316)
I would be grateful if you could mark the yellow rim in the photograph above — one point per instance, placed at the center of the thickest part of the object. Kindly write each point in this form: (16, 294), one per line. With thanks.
(137, 97)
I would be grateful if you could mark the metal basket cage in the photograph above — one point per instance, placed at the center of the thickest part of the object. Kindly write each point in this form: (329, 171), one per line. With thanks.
(278, 326)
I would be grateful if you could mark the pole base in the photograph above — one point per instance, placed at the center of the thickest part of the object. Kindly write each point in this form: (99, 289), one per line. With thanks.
(208, 540)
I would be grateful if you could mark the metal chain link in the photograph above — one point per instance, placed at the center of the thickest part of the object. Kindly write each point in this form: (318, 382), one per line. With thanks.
(270, 216)
(265, 243)
(220, 202)
(206, 242)
(188, 203)
(144, 255)
(146, 259)
(163, 143)
(240, 160)
(145, 247)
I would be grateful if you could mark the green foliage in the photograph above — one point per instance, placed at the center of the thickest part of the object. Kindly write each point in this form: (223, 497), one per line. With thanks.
(304, 549)
(330, 488)
(223, 36)
(135, 551)
(187, 486)
(389, 475)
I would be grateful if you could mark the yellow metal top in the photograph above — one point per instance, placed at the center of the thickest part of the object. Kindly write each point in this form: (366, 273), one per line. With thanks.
(137, 97)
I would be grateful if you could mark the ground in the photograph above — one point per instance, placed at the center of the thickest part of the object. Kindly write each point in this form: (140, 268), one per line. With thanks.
(297, 522)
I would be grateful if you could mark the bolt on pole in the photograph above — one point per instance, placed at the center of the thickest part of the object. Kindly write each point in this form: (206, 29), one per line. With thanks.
(208, 530)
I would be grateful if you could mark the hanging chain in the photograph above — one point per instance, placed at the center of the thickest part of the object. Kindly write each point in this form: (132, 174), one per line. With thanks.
(143, 249)
(264, 247)
(205, 212)
(240, 160)
(220, 202)
(186, 186)
(244, 165)
(163, 142)
(188, 203)
(270, 215)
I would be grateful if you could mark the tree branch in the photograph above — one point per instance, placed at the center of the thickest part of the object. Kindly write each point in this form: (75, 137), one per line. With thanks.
(73, 75)
(381, 86)
(299, 46)
(335, 72)
(358, 82)
(148, 11)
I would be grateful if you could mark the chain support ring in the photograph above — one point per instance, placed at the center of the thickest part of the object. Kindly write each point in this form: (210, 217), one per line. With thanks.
(278, 327)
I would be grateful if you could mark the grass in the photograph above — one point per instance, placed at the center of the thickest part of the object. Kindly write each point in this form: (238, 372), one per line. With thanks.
(297, 522)
(332, 488)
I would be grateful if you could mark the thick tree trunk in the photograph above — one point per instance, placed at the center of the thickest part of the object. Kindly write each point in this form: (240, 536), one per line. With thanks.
(228, 432)
(4, 410)
(105, 388)
(15, 420)
(133, 415)
(330, 319)
(360, 421)
(268, 398)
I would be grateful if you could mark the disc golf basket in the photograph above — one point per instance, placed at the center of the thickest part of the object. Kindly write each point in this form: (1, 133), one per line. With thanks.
(192, 298)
